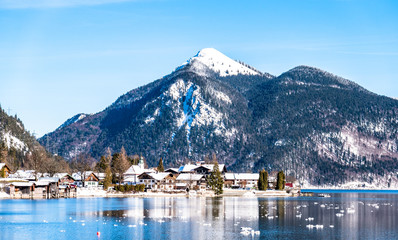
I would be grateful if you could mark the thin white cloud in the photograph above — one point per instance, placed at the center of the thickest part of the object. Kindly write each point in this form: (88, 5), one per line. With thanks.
(18, 4)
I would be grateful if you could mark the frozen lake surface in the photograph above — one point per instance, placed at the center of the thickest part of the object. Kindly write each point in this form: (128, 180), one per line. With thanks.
(343, 215)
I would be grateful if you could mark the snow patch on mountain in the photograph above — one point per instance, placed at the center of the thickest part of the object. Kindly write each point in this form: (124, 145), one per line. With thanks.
(151, 119)
(351, 141)
(191, 109)
(220, 95)
(78, 149)
(72, 120)
(14, 142)
(219, 63)
(289, 81)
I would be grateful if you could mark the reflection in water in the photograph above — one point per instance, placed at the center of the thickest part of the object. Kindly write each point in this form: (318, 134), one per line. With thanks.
(349, 215)
(216, 206)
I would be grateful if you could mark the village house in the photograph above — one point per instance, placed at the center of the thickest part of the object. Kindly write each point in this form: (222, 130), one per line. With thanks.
(65, 179)
(241, 180)
(172, 170)
(131, 175)
(6, 169)
(86, 179)
(21, 190)
(191, 181)
(52, 186)
(42, 190)
(206, 169)
(158, 181)
(272, 178)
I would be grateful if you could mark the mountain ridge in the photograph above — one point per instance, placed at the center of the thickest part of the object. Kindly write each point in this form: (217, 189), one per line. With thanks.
(250, 120)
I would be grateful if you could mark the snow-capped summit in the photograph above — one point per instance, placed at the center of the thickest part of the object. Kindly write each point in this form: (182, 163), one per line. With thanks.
(219, 63)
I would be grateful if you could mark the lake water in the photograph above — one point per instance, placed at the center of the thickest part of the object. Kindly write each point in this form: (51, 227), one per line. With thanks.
(345, 215)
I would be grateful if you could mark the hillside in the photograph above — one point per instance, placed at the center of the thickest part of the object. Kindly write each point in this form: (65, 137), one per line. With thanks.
(317, 126)
(19, 149)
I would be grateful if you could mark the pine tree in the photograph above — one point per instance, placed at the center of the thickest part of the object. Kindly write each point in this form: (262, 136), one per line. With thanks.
(3, 152)
(3, 172)
(260, 183)
(280, 185)
(265, 180)
(108, 178)
(160, 166)
(215, 180)
(102, 165)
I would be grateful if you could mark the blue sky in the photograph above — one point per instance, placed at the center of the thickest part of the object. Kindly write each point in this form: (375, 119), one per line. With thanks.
(63, 57)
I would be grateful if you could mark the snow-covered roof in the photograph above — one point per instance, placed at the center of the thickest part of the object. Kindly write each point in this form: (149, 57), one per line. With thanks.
(22, 184)
(2, 165)
(211, 166)
(247, 176)
(241, 176)
(229, 176)
(187, 168)
(172, 169)
(10, 180)
(60, 175)
(159, 176)
(219, 63)
(78, 175)
(189, 177)
(49, 179)
(134, 170)
(24, 174)
(100, 175)
(42, 183)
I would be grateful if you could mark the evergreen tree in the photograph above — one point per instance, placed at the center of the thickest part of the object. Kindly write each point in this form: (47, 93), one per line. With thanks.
(102, 165)
(280, 185)
(3, 173)
(108, 178)
(215, 180)
(260, 183)
(3, 152)
(263, 180)
(160, 166)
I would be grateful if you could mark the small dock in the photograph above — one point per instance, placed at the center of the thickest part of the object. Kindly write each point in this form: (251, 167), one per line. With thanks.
(39, 190)
(307, 194)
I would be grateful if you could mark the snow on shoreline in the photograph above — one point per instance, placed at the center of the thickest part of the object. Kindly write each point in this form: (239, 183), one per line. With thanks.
(4, 195)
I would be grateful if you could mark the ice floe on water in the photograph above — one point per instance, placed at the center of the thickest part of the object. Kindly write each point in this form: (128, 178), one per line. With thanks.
(248, 231)
(317, 226)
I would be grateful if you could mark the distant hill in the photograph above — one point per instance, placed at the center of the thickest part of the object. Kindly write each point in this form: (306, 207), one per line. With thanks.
(322, 128)
(19, 148)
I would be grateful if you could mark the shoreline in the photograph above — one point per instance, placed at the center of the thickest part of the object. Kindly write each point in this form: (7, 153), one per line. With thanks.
(227, 193)
(349, 189)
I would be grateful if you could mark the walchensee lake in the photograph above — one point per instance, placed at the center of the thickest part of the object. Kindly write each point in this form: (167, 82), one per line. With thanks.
(343, 215)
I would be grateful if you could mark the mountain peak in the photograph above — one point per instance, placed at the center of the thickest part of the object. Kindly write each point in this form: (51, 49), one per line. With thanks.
(313, 74)
(219, 63)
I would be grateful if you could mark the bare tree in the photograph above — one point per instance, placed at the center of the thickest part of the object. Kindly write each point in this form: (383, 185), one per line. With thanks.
(82, 164)
(36, 161)
(120, 164)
